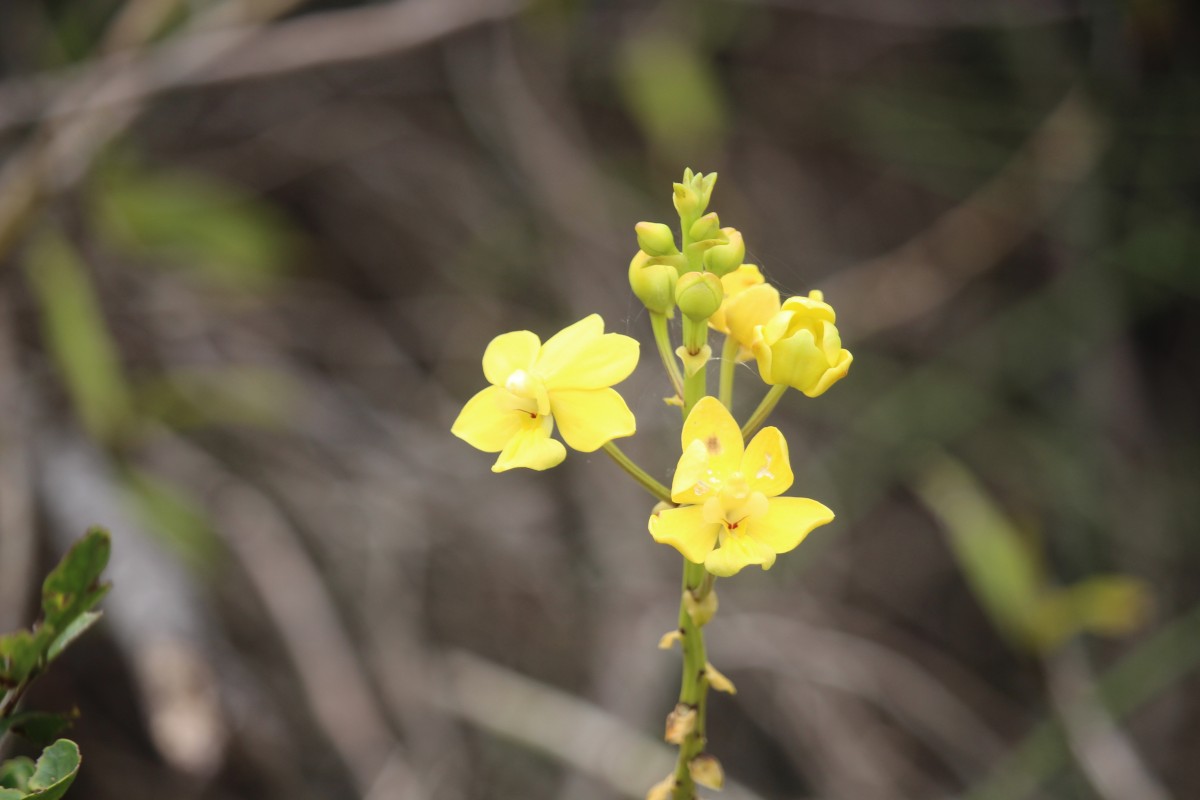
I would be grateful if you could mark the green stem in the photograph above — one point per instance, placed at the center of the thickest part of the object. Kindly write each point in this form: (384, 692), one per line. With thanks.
(693, 688)
(637, 473)
(662, 338)
(728, 364)
(764, 410)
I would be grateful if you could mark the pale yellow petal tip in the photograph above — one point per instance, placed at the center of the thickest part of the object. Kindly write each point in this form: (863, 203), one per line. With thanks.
(669, 640)
(662, 790)
(717, 680)
(706, 770)
(680, 722)
(674, 400)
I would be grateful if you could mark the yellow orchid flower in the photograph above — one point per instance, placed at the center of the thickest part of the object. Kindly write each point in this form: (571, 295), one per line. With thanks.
(800, 346)
(566, 380)
(728, 494)
(749, 302)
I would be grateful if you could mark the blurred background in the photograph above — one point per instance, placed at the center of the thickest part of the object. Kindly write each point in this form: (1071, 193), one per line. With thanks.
(253, 251)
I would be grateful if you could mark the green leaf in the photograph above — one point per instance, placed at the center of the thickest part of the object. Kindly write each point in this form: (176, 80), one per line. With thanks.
(174, 515)
(74, 585)
(56, 771)
(15, 774)
(38, 727)
(77, 336)
(73, 631)
(672, 93)
(998, 563)
(20, 653)
(217, 232)
(11, 794)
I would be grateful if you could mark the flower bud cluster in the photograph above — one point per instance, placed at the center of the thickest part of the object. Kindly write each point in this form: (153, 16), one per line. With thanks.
(794, 342)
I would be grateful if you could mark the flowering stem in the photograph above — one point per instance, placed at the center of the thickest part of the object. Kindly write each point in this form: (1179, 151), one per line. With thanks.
(662, 337)
(693, 688)
(728, 363)
(764, 410)
(637, 473)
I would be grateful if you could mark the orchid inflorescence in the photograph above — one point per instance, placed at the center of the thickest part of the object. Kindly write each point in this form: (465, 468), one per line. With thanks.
(725, 508)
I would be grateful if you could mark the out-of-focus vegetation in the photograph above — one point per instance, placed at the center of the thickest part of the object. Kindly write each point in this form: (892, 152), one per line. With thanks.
(252, 251)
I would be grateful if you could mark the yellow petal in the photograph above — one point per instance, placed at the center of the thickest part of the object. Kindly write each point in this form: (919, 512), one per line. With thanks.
(565, 346)
(737, 551)
(508, 353)
(787, 521)
(713, 425)
(812, 307)
(587, 418)
(753, 307)
(487, 422)
(733, 283)
(602, 362)
(833, 374)
(692, 481)
(532, 447)
(766, 465)
(686, 531)
(798, 362)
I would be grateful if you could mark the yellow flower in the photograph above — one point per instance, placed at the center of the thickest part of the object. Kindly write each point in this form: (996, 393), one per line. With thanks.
(801, 347)
(729, 495)
(567, 380)
(749, 302)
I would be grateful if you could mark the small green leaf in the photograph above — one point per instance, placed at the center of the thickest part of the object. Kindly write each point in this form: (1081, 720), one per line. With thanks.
(56, 771)
(73, 631)
(11, 794)
(214, 230)
(74, 585)
(15, 774)
(38, 727)
(998, 563)
(77, 335)
(20, 653)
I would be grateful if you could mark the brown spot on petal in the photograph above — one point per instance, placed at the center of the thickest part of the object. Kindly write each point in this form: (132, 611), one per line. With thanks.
(713, 444)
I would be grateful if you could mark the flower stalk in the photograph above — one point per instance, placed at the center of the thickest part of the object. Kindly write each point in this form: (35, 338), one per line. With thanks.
(763, 411)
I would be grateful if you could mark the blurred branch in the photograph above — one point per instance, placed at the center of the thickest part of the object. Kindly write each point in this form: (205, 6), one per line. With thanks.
(927, 271)
(572, 730)
(1101, 748)
(244, 52)
(1159, 662)
(935, 13)
(16, 511)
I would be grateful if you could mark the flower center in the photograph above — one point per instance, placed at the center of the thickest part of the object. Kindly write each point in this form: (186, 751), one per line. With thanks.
(527, 393)
(734, 503)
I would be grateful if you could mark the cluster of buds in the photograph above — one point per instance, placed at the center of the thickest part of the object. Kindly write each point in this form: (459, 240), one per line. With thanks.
(795, 342)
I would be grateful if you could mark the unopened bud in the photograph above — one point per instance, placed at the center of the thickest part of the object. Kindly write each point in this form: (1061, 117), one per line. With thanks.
(706, 770)
(722, 259)
(699, 295)
(656, 238)
(653, 281)
(707, 227)
(691, 197)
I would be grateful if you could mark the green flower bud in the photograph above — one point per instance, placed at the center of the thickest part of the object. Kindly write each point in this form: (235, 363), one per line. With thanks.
(653, 281)
(656, 239)
(691, 197)
(725, 258)
(699, 295)
(707, 227)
